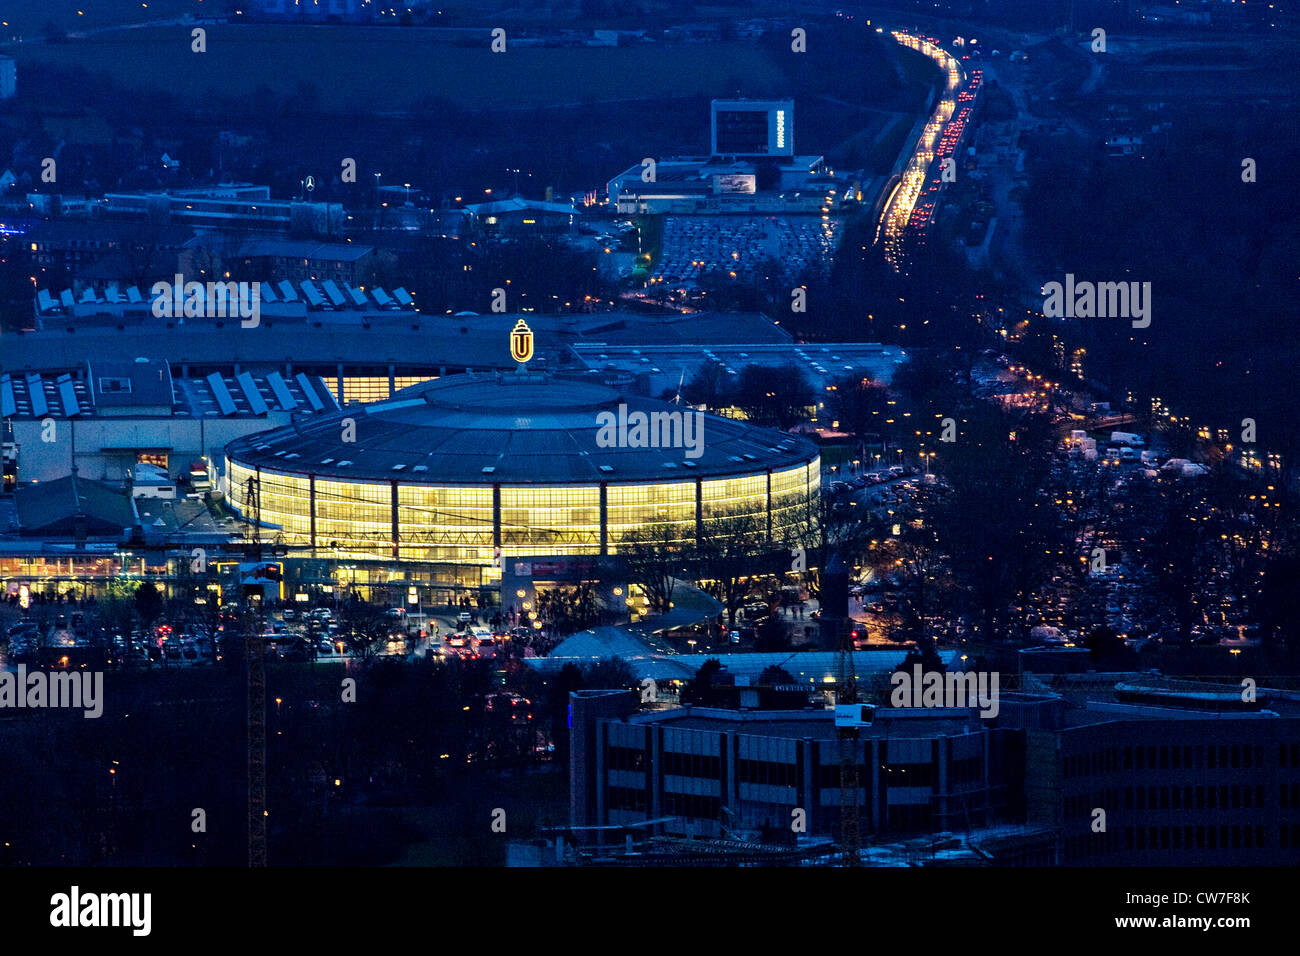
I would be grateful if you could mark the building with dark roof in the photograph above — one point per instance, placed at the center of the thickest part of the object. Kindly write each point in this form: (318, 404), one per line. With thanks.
(93, 250)
(710, 772)
(297, 259)
(471, 468)
(518, 216)
(73, 507)
(364, 352)
(1186, 782)
(664, 365)
(106, 415)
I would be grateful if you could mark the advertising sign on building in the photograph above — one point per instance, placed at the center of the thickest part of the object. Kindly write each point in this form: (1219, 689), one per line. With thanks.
(735, 183)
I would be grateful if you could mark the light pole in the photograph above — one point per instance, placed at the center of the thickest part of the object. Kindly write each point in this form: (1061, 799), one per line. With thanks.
(334, 545)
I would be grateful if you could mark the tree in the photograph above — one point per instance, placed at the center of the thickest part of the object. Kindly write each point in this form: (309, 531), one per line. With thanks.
(655, 559)
(365, 628)
(610, 673)
(707, 386)
(929, 384)
(699, 690)
(148, 604)
(116, 609)
(731, 553)
(992, 517)
(859, 405)
(1175, 535)
(1104, 644)
(915, 558)
(774, 674)
(773, 397)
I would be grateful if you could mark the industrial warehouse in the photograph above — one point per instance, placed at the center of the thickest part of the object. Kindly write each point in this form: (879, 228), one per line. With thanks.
(464, 471)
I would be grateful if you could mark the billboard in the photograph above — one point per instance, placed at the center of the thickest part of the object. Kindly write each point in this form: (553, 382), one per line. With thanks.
(735, 183)
(753, 127)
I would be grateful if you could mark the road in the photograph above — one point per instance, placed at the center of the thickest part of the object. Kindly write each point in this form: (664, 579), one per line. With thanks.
(897, 213)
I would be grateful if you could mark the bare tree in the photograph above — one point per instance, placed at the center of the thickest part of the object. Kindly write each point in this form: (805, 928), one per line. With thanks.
(734, 555)
(654, 560)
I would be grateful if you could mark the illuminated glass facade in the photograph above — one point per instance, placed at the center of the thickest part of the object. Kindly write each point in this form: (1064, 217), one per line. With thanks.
(634, 506)
(361, 389)
(445, 525)
(464, 525)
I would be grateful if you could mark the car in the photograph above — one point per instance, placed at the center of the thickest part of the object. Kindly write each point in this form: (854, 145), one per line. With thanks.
(290, 614)
(485, 640)
(325, 646)
(464, 617)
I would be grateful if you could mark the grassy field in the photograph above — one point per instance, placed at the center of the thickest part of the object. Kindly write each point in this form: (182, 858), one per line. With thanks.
(393, 69)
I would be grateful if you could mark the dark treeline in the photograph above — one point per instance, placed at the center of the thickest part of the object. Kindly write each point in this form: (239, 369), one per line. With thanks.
(1219, 253)
(423, 742)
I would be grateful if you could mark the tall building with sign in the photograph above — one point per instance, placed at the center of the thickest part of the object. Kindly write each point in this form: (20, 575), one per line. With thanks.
(752, 128)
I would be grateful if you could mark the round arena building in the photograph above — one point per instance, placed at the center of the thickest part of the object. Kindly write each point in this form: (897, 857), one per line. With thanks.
(463, 470)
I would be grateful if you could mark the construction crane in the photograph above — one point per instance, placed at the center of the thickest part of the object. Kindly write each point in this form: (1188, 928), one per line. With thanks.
(846, 692)
(255, 662)
(837, 633)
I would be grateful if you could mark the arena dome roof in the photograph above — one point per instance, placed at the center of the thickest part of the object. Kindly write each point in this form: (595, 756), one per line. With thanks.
(517, 429)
